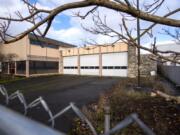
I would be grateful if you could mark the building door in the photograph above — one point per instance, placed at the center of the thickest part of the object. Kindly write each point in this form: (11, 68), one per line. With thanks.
(70, 64)
(115, 64)
(89, 64)
(12, 67)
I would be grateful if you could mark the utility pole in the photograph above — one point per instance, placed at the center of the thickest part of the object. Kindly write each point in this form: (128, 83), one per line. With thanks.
(138, 42)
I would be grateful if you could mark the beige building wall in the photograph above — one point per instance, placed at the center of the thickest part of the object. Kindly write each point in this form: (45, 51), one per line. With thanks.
(18, 48)
(23, 49)
(118, 47)
(37, 50)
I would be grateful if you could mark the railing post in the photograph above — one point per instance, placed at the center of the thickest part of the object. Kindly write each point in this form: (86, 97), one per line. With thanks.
(107, 120)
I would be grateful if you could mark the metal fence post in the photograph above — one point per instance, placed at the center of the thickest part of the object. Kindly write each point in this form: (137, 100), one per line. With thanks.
(107, 120)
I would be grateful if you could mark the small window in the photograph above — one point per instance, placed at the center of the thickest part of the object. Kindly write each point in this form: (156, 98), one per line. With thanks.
(123, 67)
(105, 67)
(111, 67)
(117, 67)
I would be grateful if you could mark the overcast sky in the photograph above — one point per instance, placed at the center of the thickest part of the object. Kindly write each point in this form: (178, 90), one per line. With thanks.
(67, 28)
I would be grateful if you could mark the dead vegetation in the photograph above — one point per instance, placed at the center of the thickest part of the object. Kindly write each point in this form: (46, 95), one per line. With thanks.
(162, 116)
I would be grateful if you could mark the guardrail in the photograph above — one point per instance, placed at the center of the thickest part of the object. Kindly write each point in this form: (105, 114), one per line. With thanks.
(9, 119)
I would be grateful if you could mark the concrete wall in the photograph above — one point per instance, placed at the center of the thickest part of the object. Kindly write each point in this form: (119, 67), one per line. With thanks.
(19, 48)
(171, 72)
(132, 62)
(24, 50)
(118, 47)
(37, 50)
(147, 65)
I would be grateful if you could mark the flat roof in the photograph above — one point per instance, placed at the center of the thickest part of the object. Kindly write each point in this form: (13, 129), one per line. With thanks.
(49, 41)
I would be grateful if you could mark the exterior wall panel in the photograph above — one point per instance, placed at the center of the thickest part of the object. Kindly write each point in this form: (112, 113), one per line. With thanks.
(18, 48)
(115, 64)
(89, 64)
(115, 72)
(89, 50)
(37, 50)
(114, 59)
(70, 65)
(89, 60)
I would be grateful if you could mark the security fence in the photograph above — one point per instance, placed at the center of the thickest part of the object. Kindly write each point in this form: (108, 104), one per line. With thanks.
(9, 119)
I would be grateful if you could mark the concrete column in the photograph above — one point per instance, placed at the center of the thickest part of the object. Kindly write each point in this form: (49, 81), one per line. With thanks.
(27, 68)
(8, 70)
(100, 61)
(61, 63)
(78, 63)
(132, 61)
(15, 67)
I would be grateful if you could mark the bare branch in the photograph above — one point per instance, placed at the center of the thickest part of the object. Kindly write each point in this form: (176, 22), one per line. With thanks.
(101, 27)
(84, 16)
(154, 6)
(48, 26)
(154, 24)
(175, 35)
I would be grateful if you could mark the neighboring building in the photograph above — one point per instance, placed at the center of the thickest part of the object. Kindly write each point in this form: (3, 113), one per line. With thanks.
(45, 56)
(169, 46)
(170, 70)
(32, 55)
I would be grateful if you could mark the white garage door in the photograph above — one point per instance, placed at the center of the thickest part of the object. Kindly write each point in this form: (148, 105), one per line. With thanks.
(70, 65)
(115, 64)
(89, 64)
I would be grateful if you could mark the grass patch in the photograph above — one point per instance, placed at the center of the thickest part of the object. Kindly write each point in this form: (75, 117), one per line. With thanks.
(8, 79)
(161, 116)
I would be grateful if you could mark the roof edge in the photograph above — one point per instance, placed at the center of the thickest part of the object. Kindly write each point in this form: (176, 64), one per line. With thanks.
(49, 40)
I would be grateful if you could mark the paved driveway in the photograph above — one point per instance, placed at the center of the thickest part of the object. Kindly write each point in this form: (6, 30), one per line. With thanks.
(59, 91)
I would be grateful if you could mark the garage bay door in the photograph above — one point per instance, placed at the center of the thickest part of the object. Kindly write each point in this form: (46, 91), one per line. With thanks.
(89, 64)
(114, 64)
(70, 65)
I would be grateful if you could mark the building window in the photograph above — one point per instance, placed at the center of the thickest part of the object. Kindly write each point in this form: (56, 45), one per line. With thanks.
(43, 44)
(115, 67)
(66, 67)
(40, 67)
(89, 67)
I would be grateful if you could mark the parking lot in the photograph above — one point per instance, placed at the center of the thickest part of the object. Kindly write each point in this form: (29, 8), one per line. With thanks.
(58, 92)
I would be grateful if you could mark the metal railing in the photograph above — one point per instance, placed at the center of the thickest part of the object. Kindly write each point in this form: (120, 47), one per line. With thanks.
(8, 119)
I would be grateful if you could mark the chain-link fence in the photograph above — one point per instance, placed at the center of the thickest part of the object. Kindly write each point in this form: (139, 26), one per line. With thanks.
(52, 117)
